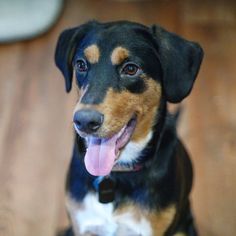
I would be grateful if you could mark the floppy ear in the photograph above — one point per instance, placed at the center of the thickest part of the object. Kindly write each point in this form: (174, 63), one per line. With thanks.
(66, 45)
(180, 60)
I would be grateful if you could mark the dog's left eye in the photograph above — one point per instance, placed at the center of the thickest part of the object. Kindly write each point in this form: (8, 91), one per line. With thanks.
(81, 65)
(130, 69)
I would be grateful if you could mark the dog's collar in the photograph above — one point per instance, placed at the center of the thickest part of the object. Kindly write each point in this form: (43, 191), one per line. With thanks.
(127, 168)
(105, 185)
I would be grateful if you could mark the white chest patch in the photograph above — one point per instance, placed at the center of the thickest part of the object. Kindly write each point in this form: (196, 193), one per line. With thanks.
(92, 217)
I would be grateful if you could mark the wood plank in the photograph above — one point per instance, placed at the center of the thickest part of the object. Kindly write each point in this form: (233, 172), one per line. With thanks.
(212, 118)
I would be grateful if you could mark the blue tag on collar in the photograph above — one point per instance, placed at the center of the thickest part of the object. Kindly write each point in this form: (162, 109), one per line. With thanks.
(97, 181)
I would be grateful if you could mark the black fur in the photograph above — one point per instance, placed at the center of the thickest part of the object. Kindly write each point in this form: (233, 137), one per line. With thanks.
(181, 60)
(167, 56)
(166, 176)
(66, 46)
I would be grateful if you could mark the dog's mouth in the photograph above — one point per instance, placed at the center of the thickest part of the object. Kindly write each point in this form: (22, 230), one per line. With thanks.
(102, 153)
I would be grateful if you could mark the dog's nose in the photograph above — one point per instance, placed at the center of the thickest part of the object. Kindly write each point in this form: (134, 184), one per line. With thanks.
(88, 120)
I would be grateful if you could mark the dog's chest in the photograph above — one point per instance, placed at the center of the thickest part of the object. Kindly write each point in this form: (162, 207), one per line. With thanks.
(94, 218)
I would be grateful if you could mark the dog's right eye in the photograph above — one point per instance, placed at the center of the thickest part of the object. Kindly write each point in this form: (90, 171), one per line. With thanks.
(81, 66)
(130, 70)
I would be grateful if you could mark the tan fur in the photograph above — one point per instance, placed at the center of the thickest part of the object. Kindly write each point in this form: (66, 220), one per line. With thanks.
(119, 107)
(134, 210)
(118, 55)
(180, 234)
(92, 53)
(160, 221)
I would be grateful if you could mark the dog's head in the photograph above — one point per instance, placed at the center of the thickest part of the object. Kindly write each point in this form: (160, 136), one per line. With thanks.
(123, 70)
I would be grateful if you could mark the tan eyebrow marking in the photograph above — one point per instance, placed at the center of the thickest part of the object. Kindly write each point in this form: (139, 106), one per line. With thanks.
(118, 55)
(92, 53)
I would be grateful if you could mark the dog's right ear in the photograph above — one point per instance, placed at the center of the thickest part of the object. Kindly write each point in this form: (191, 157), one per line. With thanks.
(180, 60)
(66, 46)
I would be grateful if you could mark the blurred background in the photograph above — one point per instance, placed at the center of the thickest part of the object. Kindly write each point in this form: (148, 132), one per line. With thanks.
(36, 114)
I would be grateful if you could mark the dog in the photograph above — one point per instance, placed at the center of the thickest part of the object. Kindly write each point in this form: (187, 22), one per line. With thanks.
(130, 174)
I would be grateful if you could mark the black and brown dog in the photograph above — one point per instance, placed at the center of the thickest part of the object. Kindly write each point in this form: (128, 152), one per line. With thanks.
(129, 174)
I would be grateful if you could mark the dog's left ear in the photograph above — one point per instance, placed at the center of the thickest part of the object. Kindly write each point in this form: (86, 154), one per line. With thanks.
(180, 60)
(65, 49)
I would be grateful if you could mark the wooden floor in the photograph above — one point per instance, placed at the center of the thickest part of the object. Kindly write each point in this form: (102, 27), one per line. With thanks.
(36, 127)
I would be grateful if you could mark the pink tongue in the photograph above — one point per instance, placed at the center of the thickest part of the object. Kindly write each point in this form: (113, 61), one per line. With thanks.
(100, 155)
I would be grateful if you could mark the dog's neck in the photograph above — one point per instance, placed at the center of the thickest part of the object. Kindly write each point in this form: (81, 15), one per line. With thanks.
(153, 145)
